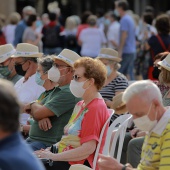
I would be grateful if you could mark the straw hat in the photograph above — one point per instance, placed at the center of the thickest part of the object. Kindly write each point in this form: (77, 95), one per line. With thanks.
(68, 56)
(165, 63)
(110, 54)
(6, 51)
(118, 105)
(27, 50)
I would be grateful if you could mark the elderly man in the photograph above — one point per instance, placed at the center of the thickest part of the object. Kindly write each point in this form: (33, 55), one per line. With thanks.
(26, 65)
(52, 114)
(144, 101)
(14, 153)
(7, 68)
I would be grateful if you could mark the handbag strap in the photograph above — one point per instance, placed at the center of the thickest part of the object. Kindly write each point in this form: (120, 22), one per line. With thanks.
(162, 43)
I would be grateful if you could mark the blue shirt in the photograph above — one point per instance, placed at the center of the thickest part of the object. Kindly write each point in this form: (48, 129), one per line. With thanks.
(19, 31)
(127, 24)
(15, 154)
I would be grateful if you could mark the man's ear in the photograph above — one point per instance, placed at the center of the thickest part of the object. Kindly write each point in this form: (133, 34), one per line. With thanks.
(156, 102)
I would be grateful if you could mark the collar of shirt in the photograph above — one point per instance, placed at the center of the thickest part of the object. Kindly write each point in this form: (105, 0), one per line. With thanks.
(161, 125)
(64, 87)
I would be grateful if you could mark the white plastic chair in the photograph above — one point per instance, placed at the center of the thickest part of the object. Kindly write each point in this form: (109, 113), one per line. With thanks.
(119, 126)
(83, 167)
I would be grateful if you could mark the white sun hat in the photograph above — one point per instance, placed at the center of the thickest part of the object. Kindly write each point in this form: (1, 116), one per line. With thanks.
(110, 54)
(27, 50)
(165, 63)
(6, 51)
(67, 56)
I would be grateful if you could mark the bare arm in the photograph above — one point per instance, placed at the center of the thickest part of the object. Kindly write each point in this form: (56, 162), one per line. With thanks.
(76, 154)
(39, 112)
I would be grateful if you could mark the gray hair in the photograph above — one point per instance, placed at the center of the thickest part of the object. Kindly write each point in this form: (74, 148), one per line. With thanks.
(145, 89)
(46, 63)
(29, 9)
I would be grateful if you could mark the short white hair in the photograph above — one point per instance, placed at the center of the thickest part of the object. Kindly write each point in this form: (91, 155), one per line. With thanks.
(145, 89)
(29, 8)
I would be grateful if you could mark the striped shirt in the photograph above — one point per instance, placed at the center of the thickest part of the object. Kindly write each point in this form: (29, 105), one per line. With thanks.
(120, 83)
(156, 147)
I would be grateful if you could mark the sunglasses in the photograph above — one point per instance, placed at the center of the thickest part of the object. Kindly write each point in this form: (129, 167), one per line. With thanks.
(76, 77)
(59, 65)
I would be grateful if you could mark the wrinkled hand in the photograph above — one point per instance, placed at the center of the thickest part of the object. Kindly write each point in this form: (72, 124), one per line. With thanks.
(108, 163)
(134, 132)
(43, 154)
(140, 134)
(45, 124)
(27, 108)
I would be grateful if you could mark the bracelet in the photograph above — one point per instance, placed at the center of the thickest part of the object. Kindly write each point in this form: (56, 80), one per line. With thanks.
(124, 167)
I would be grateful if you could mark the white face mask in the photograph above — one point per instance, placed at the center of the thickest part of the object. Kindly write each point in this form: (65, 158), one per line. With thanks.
(77, 89)
(144, 123)
(54, 74)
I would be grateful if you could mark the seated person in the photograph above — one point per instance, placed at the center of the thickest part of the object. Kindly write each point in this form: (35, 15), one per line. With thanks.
(82, 132)
(144, 101)
(57, 107)
(116, 82)
(41, 78)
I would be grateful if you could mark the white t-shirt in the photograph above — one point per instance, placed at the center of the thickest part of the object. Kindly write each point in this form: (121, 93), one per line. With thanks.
(113, 34)
(92, 40)
(27, 92)
(9, 32)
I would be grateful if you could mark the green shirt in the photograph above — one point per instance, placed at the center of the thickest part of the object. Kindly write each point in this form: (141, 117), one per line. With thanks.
(15, 78)
(61, 102)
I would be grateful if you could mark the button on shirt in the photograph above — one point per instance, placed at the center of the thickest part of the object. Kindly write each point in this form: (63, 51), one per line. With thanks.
(27, 92)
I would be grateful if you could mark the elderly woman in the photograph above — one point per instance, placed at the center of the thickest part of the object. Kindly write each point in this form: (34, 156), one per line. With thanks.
(116, 82)
(82, 132)
(44, 64)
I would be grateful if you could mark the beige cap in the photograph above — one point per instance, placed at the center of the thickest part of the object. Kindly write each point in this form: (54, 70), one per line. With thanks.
(118, 105)
(6, 51)
(165, 63)
(110, 54)
(68, 56)
(27, 50)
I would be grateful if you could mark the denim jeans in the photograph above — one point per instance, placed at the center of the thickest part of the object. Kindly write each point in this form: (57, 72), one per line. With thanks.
(50, 51)
(36, 145)
(127, 64)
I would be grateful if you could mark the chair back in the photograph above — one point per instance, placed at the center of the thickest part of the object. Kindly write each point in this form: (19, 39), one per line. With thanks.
(119, 126)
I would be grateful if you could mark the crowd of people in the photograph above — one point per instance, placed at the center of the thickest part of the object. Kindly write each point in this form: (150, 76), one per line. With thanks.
(58, 82)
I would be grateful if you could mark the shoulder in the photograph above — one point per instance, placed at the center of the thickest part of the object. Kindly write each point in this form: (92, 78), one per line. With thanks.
(120, 78)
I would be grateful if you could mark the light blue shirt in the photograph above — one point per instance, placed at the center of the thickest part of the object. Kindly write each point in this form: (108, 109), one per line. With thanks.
(127, 24)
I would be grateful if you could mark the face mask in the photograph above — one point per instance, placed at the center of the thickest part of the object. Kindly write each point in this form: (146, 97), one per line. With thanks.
(77, 89)
(109, 71)
(144, 123)
(116, 12)
(107, 22)
(38, 79)
(19, 70)
(4, 71)
(54, 74)
(156, 72)
(38, 23)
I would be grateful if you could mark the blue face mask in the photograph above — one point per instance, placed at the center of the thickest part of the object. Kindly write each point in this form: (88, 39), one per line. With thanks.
(4, 71)
(38, 79)
(109, 70)
(38, 23)
(116, 13)
(107, 22)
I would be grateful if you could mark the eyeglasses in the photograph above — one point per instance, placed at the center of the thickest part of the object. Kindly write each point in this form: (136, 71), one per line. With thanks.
(59, 65)
(76, 77)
